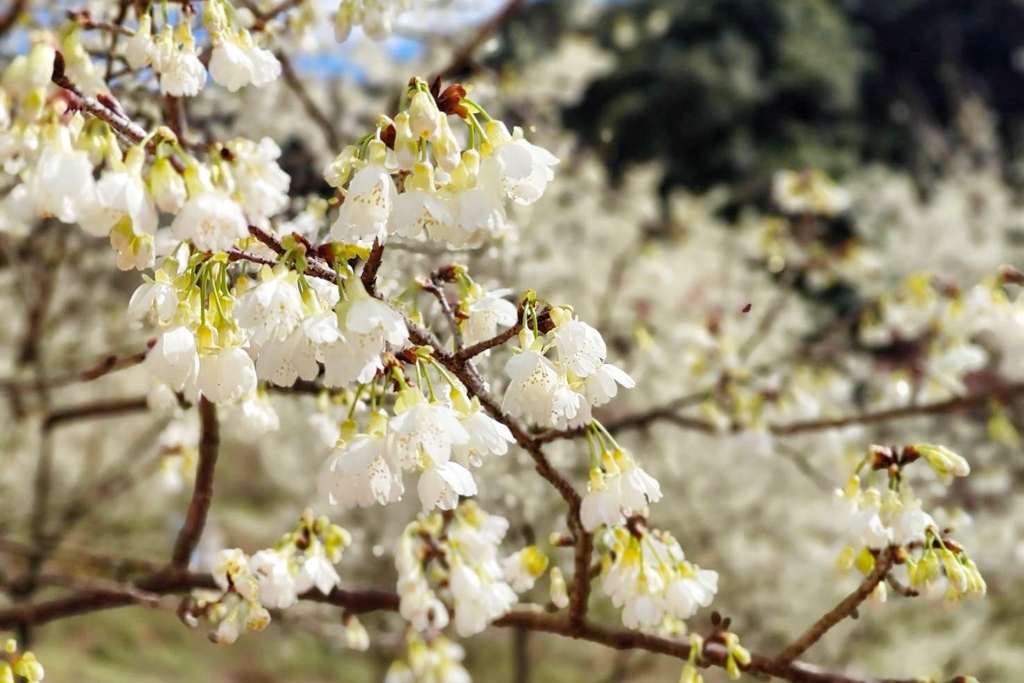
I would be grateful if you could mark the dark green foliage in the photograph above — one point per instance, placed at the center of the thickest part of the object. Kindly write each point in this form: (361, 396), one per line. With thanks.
(734, 89)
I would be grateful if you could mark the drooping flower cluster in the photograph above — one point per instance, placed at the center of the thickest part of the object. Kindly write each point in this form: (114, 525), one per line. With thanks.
(377, 17)
(447, 193)
(440, 435)
(618, 488)
(273, 578)
(646, 574)
(460, 551)
(236, 60)
(434, 659)
(893, 519)
(172, 54)
(561, 392)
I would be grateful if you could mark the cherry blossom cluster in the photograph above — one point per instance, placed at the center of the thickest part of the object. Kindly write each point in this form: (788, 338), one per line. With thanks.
(273, 578)
(447, 190)
(646, 574)
(377, 17)
(440, 435)
(435, 659)
(460, 551)
(881, 519)
(234, 62)
(560, 392)
(17, 666)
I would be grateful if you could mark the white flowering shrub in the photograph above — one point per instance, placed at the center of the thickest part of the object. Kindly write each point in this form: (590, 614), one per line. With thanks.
(627, 420)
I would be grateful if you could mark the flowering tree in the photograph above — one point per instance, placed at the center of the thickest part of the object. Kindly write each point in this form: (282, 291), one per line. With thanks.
(371, 322)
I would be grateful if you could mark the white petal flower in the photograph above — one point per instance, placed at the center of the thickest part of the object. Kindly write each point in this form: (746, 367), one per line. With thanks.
(230, 65)
(486, 313)
(272, 309)
(911, 525)
(277, 584)
(603, 384)
(174, 358)
(317, 571)
(61, 179)
(581, 349)
(226, 374)
(487, 436)
(366, 211)
(212, 220)
(426, 431)
(441, 486)
(116, 196)
(255, 417)
(154, 299)
(601, 507)
(525, 168)
(687, 594)
(361, 474)
(532, 392)
(183, 76)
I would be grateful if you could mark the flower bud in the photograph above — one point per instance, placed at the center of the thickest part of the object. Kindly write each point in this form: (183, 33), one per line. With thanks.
(559, 592)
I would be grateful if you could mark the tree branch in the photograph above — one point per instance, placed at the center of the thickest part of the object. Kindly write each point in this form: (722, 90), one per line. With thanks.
(202, 494)
(528, 618)
(844, 609)
(108, 365)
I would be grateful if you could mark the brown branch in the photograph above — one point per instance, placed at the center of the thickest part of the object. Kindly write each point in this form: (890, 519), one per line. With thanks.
(883, 563)
(94, 409)
(108, 365)
(202, 494)
(497, 340)
(114, 565)
(315, 267)
(118, 122)
(369, 274)
(363, 601)
(583, 541)
(667, 413)
(10, 17)
(1006, 392)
